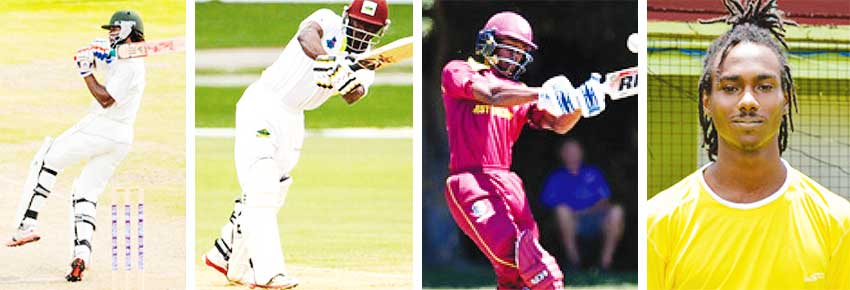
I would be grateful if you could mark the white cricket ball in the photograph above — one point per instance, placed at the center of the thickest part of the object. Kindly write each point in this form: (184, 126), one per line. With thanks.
(633, 43)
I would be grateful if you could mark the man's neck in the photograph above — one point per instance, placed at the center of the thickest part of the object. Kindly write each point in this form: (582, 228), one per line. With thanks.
(573, 169)
(745, 176)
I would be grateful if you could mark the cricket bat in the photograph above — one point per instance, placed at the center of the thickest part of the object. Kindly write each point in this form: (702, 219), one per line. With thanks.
(149, 48)
(622, 83)
(391, 53)
(625, 83)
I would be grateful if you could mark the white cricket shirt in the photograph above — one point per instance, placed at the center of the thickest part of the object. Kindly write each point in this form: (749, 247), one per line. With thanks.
(291, 75)
(125, 82)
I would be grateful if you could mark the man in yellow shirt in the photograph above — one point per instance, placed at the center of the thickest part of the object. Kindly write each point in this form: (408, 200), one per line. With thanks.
(748, 220)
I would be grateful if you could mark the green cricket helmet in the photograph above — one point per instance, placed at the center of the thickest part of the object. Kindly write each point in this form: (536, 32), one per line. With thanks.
(127, 20)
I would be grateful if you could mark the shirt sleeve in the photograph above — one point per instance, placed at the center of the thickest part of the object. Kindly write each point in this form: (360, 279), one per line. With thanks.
(325, 18)
(457, 80)
(119, 83)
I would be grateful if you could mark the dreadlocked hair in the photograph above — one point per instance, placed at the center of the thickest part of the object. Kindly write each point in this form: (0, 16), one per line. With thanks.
(758, 22)
(136, 35)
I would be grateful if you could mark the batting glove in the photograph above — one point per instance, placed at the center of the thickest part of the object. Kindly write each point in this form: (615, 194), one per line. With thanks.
(556, 97)
(323, 67)
(101, 51)
(345, 83)
(327, 68)
(591, 96)
(85, 61)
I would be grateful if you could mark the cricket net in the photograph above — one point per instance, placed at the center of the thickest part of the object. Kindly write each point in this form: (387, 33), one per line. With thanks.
(820, 144)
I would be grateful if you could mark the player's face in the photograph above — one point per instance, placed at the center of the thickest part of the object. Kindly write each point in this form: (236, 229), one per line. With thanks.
(511, 54)
(360, 34)
(746, 101)
(113, 31)
(371, 28)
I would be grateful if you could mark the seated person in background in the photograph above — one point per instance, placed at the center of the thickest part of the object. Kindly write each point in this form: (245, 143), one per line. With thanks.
(579, 195)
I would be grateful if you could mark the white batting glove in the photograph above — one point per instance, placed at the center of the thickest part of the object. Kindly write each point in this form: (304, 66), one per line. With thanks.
(101, 51)
(591, 96)
(326, 68)
(557, 97)
(85, 61)
(323, 67)
(346, 81)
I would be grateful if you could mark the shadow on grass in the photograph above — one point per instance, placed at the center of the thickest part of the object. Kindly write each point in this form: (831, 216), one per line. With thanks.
(450, 276)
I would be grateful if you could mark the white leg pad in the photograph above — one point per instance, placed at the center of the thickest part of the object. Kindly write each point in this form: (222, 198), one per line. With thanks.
(37, 187)
(223, 245)
(237, 263)
(258, 248)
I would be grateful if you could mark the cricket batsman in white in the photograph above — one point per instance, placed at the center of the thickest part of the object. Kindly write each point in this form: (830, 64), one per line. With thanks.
(315, 65)
(102, 137)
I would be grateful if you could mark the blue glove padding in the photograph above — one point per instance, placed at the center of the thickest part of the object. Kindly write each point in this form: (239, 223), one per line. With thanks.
(591, 95)
(558, 97)
(555, 96)
(101, 50)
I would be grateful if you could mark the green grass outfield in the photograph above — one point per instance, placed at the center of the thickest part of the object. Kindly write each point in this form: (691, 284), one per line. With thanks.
(226, 25)
(349, 207)
(223, 25)
(384, 106)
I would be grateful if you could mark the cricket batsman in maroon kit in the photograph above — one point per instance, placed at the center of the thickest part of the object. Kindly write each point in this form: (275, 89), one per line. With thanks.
(486, 109)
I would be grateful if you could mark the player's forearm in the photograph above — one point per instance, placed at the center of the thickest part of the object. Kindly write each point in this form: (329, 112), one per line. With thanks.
(310, 39)
(99, 92)
(504, 96)
(561, 124)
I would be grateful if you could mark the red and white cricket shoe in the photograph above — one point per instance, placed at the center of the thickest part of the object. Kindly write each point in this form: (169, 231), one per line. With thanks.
(76, 273)
(23, 237)
(214, 260)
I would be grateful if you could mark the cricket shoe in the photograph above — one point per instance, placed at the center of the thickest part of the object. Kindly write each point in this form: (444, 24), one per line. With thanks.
(77, 268)
(23, 237)
(279, 281)
(214, 260)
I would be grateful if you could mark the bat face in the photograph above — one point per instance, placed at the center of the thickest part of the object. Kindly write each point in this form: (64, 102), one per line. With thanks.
(623, 83)
(144, 49)
(393, 52)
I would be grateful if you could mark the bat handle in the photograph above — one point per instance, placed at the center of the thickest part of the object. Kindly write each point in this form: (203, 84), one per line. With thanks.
(356, 66)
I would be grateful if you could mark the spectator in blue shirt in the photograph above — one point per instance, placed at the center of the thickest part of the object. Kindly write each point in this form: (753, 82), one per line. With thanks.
(579, 196)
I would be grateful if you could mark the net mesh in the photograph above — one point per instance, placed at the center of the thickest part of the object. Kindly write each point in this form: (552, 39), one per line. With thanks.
(819, 146)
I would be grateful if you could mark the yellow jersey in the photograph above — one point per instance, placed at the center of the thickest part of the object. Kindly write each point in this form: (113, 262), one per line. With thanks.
(797, 238)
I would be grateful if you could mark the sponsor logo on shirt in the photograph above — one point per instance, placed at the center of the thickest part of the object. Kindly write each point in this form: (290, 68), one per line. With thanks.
(482, 210)
(263, 133)
(814, 277)
(589, 178)
(331, 42)
(491, 110)
(539, 277)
